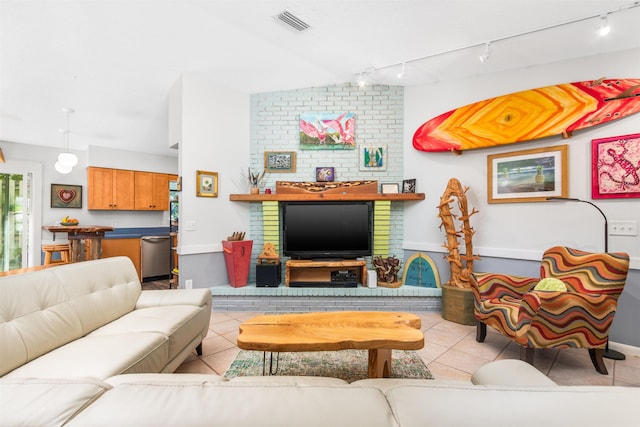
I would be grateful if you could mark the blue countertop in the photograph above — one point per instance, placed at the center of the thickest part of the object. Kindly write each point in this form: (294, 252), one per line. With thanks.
(136, 233)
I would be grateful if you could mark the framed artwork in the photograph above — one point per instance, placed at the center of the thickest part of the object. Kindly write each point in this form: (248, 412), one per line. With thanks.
(66, 196)
(373, 158)
(527, 175)
(409, 186)
(280, 161)
(325, 174)
(327, 131)
(389, 188)
(615, 169)
(206, 184)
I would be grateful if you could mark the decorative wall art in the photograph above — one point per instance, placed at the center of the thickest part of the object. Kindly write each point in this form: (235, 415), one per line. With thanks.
(530, 114)
(373, 158)
(327, 131)
(66, 196)
(206, 184)
(615, 171)
(325, 174)
(280, 161)
(527, 175)
(409, 186)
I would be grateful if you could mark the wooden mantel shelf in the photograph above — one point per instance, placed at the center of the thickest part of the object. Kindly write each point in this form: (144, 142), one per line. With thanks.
(323, 196)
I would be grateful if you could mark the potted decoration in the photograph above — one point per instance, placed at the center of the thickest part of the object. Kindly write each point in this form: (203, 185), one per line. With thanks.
(457, 295)
(254, 181)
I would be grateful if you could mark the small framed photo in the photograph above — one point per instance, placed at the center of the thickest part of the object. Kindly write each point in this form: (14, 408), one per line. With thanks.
(409, 186)
(389, 188)
(280, 161)
(66, 196)
(325, 174)
(373, 158)
(206, 184)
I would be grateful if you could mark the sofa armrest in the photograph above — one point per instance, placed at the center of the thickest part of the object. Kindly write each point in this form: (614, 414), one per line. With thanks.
(510, 372)
(155, 298)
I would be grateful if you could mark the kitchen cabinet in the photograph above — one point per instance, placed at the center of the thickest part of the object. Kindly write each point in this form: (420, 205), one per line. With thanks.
(152, 191)
(124, 247)
(110, 189)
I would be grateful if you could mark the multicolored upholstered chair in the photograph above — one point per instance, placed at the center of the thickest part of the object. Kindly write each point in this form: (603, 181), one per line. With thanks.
(579, 317)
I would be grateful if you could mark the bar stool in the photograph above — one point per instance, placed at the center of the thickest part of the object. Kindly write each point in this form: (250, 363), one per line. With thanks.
(49, 249)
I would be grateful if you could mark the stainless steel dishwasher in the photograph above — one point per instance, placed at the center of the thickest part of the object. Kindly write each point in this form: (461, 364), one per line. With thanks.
(156, 257)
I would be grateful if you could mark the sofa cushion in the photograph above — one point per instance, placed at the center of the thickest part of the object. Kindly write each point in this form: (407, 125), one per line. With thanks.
(510, 372)
(99, 357)
(231, 404)
(417, 406)
(45, 309)
(45, 402)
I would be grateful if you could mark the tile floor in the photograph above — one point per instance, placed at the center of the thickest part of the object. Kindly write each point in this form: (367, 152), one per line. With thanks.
(450, 352)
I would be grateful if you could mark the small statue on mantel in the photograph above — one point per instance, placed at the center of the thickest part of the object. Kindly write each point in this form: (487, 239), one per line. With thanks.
(387, 271)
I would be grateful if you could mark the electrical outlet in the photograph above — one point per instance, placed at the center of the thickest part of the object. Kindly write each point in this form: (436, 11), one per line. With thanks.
(188, 284)
(623, 228)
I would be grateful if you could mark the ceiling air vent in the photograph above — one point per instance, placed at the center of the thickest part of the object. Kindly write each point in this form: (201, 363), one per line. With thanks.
(293, 21)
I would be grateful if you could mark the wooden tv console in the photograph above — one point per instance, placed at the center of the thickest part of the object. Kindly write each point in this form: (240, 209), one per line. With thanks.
(307, 273)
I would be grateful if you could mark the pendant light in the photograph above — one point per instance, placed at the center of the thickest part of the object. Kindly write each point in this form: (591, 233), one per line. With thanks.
(66, 160)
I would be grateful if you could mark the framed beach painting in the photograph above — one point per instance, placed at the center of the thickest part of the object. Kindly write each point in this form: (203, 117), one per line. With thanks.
(615, 169)
(527, 175)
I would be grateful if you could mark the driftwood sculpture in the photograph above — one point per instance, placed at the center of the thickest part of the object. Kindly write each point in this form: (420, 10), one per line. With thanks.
(460, 274)
(387, 270)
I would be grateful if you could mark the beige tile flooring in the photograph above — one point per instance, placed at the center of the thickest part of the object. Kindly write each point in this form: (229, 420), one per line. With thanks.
(450, 352)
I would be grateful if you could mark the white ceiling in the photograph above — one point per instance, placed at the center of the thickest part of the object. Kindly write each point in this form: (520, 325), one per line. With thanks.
(115, 61)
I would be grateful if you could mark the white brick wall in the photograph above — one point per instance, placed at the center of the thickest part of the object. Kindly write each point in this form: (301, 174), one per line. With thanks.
(379, 121)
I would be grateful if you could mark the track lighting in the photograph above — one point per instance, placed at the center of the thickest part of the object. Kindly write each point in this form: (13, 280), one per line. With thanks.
(603, 27)
(401, 73)
(486, 53)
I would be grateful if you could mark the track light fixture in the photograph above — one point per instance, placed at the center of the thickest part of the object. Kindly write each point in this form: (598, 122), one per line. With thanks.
(603, 29)
(401, 73)
(486, 53)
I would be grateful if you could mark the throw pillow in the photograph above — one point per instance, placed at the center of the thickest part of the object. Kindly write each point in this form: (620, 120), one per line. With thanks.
(550, 284)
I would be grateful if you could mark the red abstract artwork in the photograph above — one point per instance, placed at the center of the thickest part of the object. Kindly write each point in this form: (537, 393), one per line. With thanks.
(616, 167)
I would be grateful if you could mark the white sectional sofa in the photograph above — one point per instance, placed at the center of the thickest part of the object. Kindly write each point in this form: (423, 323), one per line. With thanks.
(92, 320)
(82, 345)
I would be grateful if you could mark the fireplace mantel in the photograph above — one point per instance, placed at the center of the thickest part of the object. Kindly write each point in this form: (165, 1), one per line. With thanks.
(325, 197)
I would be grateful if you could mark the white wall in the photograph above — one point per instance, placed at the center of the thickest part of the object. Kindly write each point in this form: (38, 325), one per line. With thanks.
(215, 138)
(518, 230)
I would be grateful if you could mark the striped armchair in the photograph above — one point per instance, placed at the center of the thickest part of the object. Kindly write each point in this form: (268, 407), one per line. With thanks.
(580, 317)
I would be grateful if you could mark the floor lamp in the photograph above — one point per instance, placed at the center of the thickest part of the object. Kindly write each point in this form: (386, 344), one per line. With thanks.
(608, 353)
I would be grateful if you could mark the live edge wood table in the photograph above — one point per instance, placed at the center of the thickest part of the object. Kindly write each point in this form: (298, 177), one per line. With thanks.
(377, 331)
(75, 235)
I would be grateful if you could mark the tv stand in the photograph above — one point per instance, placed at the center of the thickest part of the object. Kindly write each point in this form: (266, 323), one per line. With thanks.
(326, 273)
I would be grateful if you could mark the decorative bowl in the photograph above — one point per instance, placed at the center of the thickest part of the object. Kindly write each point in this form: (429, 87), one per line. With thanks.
(69, 223)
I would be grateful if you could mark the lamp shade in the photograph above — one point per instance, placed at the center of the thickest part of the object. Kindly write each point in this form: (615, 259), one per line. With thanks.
(68, 159)
(62, 168)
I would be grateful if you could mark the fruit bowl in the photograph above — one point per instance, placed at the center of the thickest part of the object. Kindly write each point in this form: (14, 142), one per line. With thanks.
(69, 223)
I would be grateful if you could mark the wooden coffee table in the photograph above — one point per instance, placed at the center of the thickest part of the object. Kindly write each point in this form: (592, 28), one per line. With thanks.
(376, 331)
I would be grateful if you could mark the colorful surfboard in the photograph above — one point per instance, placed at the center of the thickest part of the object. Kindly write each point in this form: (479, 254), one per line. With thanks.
(530, 114)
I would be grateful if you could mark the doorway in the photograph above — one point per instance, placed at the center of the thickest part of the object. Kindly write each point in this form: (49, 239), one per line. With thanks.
(14, 217)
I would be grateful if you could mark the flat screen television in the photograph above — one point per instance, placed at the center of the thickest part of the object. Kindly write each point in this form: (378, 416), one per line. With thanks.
(320, 230)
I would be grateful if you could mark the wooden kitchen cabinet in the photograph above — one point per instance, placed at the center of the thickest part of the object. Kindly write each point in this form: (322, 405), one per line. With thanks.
(123, 247)
(152, 191)
(110, 189)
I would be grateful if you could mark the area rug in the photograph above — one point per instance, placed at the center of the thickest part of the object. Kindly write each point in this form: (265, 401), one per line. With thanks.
(349, 365)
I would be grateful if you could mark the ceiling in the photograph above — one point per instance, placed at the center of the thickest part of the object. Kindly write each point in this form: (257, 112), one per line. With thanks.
(114, 62)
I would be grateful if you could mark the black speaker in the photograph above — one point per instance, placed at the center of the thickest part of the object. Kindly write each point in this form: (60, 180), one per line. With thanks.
(268, 275)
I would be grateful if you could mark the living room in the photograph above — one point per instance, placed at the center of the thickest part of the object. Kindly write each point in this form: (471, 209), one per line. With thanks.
(212, 126)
